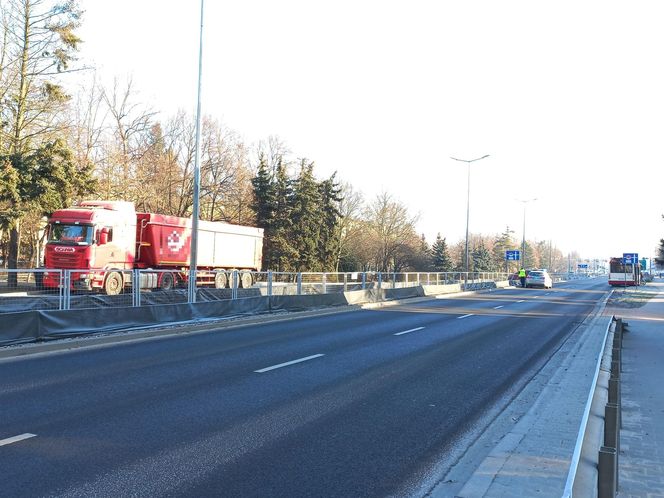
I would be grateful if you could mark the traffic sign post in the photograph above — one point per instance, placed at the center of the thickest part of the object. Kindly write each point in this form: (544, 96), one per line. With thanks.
(511, 255)
(630, 258)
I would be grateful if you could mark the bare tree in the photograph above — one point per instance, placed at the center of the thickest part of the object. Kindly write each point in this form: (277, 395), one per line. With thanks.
(275, 152)
(87, 119)
(391, 228)
(349, 230)
(38, 45)
(128, 139)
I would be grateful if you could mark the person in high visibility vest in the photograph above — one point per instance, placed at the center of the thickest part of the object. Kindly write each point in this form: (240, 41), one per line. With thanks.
(522, 277)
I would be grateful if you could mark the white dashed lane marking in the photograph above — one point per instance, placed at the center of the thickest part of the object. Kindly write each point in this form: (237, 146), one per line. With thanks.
(409, 331)
(16, 439)
(293, 362)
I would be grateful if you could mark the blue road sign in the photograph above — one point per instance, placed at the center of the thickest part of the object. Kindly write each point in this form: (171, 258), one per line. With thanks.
(512, 255)
(582, 265)
(630, 258)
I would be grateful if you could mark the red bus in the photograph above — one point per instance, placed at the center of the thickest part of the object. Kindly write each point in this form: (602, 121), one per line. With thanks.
(624, 275)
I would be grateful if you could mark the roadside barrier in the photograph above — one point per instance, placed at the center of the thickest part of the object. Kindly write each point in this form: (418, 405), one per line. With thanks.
(608, 459)
(609, 450)
(576, 456)
(45, 290)
(39, 325)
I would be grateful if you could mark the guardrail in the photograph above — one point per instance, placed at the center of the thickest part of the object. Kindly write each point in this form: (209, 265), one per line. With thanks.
(607, 460)
(40, 289)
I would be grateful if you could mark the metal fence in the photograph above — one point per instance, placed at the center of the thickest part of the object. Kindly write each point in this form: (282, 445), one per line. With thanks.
(40, 289)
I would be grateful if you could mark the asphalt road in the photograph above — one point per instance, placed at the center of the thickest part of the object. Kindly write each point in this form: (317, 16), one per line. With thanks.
(358, 403)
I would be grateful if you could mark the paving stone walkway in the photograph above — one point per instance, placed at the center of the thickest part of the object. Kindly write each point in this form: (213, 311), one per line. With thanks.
(641, 460)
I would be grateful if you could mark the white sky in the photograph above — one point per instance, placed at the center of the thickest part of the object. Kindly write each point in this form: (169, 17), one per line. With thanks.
(567, 97)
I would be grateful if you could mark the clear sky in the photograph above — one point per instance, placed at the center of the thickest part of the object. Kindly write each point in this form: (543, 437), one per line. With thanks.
(567, 97)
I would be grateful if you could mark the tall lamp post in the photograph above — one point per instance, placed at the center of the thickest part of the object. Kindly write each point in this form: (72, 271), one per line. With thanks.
(523, 242)
(468, 161)
(193, 241)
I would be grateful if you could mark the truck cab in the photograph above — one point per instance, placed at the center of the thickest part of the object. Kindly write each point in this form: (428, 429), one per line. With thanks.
(96, 237)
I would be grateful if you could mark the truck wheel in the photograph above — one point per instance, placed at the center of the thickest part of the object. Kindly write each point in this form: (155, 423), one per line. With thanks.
(113, 285)
(167, 282)
(246, 279)
(220, 280)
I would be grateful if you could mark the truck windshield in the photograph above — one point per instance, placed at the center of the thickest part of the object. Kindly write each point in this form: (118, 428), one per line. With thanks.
(70, 234)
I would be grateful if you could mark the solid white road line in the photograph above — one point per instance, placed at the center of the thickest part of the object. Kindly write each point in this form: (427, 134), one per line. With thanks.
(16, 439)
(299, 360)
(464, 316)
(409, 331)
(498, 307)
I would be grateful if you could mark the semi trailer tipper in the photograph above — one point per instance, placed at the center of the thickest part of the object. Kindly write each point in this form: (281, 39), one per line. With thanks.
(104, 239)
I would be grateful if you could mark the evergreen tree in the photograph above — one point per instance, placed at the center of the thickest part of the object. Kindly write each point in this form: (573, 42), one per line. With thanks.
(282, 255)
(442, 262)
(481, 258)
(504, 242)
(305, 219)
(529, 260)
(265, 206)
(659, 259)
(423, 258)
(328, 242)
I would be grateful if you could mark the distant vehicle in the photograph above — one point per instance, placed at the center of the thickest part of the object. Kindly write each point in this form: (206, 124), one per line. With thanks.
(539, 278)
(624, 275)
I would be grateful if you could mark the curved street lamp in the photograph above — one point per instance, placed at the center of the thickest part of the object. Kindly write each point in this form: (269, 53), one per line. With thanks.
(468, 161)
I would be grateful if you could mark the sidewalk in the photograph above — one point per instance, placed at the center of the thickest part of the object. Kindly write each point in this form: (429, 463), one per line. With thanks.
(641, 460)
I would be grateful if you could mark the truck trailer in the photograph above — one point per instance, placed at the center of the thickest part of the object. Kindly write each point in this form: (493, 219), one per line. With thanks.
(104, 239)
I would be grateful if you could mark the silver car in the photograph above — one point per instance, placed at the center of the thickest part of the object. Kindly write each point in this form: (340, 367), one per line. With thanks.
(539, 278)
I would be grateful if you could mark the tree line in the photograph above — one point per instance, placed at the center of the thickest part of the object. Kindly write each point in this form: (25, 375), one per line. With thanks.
(64, 136)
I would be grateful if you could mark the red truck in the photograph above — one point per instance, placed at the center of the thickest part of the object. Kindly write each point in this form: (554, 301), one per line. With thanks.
(104, 239)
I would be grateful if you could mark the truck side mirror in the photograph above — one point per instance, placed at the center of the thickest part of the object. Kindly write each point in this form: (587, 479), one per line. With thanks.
(103, 236)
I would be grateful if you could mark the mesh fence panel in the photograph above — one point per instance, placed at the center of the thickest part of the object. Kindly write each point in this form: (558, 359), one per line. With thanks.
(115, 289)
(24, 290)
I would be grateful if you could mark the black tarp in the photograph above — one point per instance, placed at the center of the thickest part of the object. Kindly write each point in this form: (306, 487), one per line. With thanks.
(30, 326)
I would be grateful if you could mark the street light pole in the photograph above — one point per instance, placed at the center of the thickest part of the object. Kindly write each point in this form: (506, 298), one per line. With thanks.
(468, 161)
(193, 241)
(523, 242)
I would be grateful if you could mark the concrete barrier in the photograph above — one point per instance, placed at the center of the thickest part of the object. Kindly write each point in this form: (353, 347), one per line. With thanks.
(433, 290)
(30, 326)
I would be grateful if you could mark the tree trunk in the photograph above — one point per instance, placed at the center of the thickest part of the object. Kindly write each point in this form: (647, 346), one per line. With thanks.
(13, 256)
